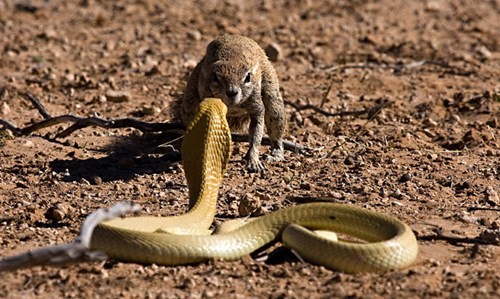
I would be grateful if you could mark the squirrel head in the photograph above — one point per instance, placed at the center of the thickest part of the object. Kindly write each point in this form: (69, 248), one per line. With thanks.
(234, 81)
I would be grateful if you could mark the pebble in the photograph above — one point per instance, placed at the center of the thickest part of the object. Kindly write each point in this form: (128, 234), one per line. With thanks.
(305, 186)
(454, 119)
(194, 35)
(484, 52)
(491, 196)
(150, 110)
(405, 177)
(57, 212)
(274, 52)
(297, 118)
(491, 236)
(430, 123)
(5, 109)
(28, 143)
(492, 123)
(248, 205)
(117, 96)
(432, 157)
(96, 180)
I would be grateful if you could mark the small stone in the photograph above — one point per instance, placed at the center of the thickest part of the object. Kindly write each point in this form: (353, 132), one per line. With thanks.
(117, 96)
(297, 118)
(492, 123)
(150, 110)
(472, 138)
(454, 119)
(136, 188)
(274, 52)
(484, 52)
(190, 64)
(405, 178)
(84, 181)
(194, 35)
(306, 186)
(5, 109)
(96, 180)
(335, 195)
(490, 236)
(153, 70)
(57, 212)
(432, 157)
(430, 123)
(248, 205)
(491, 196)
(28, 143)
(349, 161)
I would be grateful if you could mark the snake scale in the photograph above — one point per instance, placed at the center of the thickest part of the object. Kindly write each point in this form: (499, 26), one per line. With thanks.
(390, 244)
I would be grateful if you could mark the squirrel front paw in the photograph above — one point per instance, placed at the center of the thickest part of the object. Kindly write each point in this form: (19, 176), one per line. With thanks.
(254, 164)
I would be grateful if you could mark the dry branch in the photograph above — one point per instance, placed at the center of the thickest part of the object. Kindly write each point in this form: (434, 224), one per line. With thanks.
(83, 122)
(74, 252)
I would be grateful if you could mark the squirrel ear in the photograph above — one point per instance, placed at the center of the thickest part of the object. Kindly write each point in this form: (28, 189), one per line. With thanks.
(255, 68)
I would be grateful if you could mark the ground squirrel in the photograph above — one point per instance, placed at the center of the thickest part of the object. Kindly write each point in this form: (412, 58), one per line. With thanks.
(236, 70)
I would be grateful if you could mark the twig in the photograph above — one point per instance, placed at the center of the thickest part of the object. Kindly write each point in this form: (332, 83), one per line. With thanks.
(74, 252)
(482, 209)
(7, 125)
(458, 240)
(326, 113)
(34, 100)
(83, 122)
(288, 145)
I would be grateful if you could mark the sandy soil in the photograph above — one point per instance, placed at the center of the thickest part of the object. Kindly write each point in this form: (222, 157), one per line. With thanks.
(430, 158)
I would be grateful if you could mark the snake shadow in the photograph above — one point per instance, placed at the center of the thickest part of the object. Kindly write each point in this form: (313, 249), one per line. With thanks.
(127, 157)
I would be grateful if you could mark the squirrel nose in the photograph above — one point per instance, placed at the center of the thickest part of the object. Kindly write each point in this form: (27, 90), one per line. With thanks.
(232, 92)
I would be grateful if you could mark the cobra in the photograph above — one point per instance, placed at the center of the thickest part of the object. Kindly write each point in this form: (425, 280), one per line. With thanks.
(389, 244)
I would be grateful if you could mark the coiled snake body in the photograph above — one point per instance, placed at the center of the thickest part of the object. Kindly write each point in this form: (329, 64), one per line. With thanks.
(390, 244)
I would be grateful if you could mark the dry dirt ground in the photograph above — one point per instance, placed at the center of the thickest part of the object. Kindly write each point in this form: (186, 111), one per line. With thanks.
(430, 158)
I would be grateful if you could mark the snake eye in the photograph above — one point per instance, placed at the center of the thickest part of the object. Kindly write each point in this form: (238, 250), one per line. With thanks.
(247, 78)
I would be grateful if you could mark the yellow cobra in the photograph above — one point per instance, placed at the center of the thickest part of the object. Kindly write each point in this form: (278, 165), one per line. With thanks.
(388, 243)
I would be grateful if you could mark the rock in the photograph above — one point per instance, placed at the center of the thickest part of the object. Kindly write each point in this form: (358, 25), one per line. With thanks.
(454, 119)
(274, 52)
(5, 109)
(117, 96)
(194, 35)
(490, 236)
(297, 118)
(150, 110)
(484, 52)
(491, 196)
(190, 64)
(430, 123)
(492, 123)
(28, 143)
(472, 138)
(248, 205)
(405, 177)
(57, 212)
(96, 180)
(153, 70)
(432, 157)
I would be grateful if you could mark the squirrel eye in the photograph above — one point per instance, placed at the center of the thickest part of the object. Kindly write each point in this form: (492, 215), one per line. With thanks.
(215, 79)
(247, 78)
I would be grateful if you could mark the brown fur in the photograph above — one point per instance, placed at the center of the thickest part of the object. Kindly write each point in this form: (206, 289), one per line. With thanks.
(236, 70)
